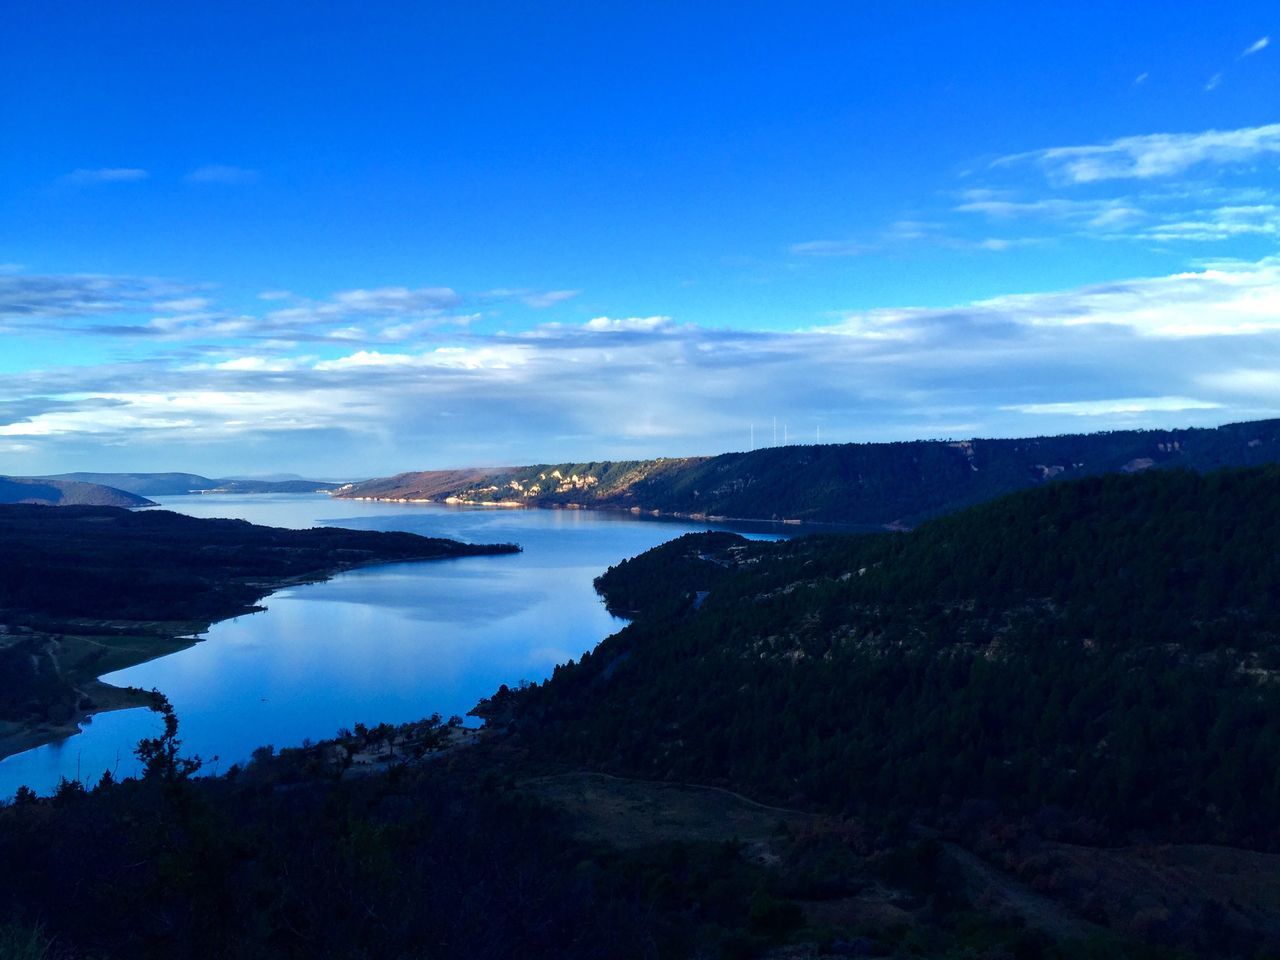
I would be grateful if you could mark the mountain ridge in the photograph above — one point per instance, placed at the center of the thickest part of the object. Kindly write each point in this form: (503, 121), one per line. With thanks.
(63, 492)
(179, 484)
(869, 484)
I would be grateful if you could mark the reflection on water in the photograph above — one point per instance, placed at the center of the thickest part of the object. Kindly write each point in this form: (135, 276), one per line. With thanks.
(390, 643)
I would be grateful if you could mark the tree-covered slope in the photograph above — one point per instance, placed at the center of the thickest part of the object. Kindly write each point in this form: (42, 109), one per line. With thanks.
(104, 562)
(51, 492)
(871, 484)
(143, 484)
(1108, 647)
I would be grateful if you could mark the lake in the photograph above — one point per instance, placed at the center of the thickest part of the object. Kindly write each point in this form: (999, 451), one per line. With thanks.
(393, 643)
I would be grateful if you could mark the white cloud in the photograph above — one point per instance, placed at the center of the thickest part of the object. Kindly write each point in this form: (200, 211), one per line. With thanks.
(1213, 302)
(456, 358)
(418, 328)
(832, 248)
(911, 230)
(1156, 216)
(106, 175)
(1251, 382)
(263, 364)
(549, 298)
(368, 358)
(1223, 223)
(1151, 155)
(1256, 47)
(218, 173)
(538, 299)
(39, 298)
(200, 324)
(1213, 83)
(94, 422)
(1102, 408)
(394, 300)
(1095, 213)
(185, 304)
(897, 233)
(628, 324)
(1188, 347)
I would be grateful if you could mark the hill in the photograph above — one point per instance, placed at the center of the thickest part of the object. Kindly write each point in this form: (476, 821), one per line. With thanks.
(178, 484)
(1076, 681)
(1108, 646)
(64, 492)
(871, 484)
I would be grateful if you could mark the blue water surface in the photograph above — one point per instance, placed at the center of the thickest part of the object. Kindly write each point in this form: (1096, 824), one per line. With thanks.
(391, 643)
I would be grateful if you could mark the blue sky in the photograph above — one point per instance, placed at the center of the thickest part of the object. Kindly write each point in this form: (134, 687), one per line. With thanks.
(344, 241)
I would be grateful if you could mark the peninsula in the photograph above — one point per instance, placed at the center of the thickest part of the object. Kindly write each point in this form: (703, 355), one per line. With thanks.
(90, 590)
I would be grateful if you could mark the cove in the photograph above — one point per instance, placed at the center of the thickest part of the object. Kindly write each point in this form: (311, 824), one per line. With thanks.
(390, 643)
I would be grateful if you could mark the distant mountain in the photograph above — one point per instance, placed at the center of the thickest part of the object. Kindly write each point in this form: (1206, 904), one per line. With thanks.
(272, 486)
(428, 484)
(61, 493)
(873, 484)
(178, 484)
(270, 477)
(143, 484)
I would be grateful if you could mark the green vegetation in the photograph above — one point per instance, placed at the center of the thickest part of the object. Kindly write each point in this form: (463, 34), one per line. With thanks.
(66, 492)
(106, 563)
(300, 853)
(1106, 647)
(1045, 728)
(1089, 663)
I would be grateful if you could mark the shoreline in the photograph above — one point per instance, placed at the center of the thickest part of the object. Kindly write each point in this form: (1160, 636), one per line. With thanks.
(121, 644)
(108, 699)
(835, 525)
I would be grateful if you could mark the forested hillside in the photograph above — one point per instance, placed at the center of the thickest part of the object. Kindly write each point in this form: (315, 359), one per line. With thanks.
(51, 492)
(871, 484)
(1108, 647)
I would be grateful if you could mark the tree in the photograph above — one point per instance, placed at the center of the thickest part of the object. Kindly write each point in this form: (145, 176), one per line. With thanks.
(24, 796)
(159, 755)
(68, 791)
(385, 733)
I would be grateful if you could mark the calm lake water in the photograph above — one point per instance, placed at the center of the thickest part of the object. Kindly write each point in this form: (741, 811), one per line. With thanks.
(389, 643)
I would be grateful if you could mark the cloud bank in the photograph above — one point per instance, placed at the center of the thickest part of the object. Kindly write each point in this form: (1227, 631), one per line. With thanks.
(1189, 347)
(86, 177)
(1152, 155)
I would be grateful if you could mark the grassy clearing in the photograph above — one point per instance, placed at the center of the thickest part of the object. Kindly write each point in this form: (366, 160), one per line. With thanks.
(636, 813)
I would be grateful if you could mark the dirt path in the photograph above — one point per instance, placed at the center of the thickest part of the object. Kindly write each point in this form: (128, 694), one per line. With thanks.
(801, 814)
(630, 811)
(984, 881)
